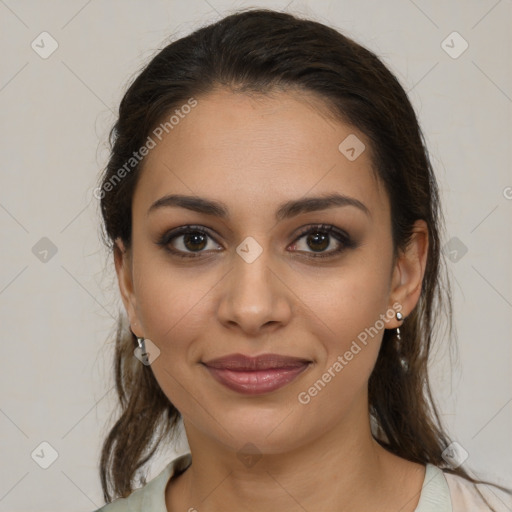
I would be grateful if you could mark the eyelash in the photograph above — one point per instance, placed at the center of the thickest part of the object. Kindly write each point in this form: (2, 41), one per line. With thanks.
(326, 229)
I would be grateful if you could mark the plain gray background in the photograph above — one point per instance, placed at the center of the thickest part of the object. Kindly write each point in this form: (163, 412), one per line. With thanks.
(58, 307)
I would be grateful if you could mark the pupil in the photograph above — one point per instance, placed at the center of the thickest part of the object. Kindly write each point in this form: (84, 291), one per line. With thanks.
(315, 238)
(194, 240)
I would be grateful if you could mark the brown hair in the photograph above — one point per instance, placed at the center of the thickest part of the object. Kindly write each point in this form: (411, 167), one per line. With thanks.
(257, 51)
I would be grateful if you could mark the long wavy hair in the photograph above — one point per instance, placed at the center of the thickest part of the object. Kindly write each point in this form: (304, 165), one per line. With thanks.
(258, 51)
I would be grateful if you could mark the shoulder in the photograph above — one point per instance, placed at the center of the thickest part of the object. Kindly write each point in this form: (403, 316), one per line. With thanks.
(465, 496)
(150, 497)
(445, 492)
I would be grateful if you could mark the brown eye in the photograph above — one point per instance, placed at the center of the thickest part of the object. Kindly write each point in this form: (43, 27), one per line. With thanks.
(187, 241)
(318, 241)
(195, 241)
(318, 238)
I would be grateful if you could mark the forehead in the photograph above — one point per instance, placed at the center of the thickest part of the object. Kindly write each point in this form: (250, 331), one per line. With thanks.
(259, 150)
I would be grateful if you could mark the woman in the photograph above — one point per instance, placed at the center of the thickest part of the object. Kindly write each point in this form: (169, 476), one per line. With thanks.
(275, 226)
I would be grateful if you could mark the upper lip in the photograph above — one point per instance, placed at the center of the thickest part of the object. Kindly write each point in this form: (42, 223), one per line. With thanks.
(261, 362)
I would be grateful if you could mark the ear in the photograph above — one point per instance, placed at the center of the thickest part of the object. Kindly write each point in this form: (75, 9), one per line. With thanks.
(123, 264)
(409, 271)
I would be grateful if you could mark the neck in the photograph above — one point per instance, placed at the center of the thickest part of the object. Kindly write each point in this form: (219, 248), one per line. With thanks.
(343, 470)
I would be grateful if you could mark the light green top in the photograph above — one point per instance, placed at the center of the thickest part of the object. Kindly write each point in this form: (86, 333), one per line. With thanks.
(441, 492)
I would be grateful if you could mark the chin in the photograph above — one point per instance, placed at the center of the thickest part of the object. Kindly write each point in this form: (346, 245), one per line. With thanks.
(268, 432)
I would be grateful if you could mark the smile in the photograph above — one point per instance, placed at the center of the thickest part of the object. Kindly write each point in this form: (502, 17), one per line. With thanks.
(255, 382)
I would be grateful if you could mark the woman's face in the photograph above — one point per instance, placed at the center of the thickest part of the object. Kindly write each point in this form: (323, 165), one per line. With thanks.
(256, 283)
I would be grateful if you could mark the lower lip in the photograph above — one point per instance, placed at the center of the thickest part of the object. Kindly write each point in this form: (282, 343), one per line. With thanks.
(256, 382)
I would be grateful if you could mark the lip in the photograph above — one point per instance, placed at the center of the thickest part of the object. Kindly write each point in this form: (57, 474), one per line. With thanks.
(256, 375)
(240, 362)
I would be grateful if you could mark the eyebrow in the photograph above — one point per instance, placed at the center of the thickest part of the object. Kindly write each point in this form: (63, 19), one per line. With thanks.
(285, 211)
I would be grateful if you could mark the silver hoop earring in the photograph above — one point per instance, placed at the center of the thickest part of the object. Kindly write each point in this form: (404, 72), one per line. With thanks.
(399, 317)
(402, 359)
(143, 354)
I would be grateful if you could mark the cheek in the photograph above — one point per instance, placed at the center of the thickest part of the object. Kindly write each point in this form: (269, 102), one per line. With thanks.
(344, 313)
(172, 305)
(174, 308)
(347, 301)
(349, 335)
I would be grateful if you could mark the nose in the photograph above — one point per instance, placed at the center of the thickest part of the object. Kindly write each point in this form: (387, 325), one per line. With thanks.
(254, 296)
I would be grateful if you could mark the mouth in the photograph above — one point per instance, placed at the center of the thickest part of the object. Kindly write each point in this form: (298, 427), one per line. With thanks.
(256, 375)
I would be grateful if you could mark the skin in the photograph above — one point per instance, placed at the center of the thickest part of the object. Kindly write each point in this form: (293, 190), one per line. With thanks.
(253, 153)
